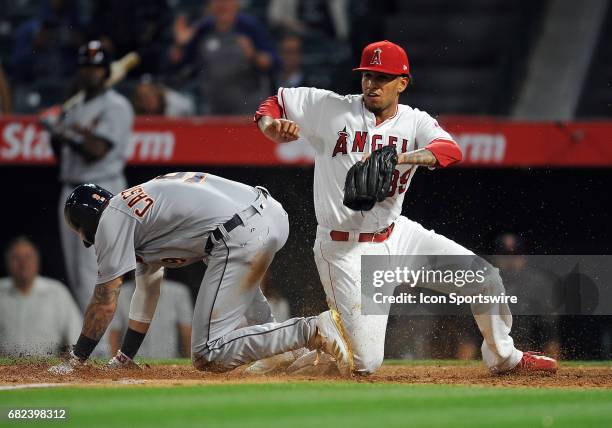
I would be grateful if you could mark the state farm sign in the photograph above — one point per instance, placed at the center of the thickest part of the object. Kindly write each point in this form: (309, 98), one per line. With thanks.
(151, 146)
(25, 142)
(482, 148)
(236, 141)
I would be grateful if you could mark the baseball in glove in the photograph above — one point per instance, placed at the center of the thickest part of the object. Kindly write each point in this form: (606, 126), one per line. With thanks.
(369, 182)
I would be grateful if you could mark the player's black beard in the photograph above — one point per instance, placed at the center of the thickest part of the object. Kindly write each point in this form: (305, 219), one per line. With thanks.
(92, 87)
(92, 90)
(375, 110)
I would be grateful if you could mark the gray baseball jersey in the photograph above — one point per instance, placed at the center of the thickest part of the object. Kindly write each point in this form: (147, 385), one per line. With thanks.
(165, 221)
(109, 116)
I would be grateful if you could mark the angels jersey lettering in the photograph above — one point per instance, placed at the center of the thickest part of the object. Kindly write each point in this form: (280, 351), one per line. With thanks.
(342, 130)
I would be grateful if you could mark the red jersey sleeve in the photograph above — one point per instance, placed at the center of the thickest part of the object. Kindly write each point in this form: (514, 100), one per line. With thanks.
(447, 152)
(269, 107)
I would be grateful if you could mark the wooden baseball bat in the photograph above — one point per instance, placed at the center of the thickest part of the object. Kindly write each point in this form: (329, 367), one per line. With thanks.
(118, 70)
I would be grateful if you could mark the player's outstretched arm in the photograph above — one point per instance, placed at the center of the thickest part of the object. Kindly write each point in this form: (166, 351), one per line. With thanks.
(142, 309)
(278, 130)
(98, 316)
(101, 309)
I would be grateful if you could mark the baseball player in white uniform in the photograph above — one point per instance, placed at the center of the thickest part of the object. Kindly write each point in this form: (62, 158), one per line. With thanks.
(343, 130)
(90, 140)
(177, 219)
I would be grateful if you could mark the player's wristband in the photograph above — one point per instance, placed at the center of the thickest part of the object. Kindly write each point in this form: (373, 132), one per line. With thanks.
(75, 138)
(84, 347)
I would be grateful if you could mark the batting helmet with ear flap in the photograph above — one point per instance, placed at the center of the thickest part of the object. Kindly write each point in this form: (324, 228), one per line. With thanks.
(93, 54)
(83, 209)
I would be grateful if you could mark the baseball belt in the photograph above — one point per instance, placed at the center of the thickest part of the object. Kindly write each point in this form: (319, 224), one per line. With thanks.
(237, 219)
(380, 236)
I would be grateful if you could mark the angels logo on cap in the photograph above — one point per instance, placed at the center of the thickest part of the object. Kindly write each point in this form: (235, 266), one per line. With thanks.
(396, 60)
(376, 57)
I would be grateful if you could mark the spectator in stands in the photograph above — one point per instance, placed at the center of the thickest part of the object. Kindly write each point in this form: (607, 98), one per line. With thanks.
(319, 18)
(152, 98)
(45, 46)
(38, 316)
(5, 93)
(132, 25)
(231, 55)
(292, 75)
(169, 335)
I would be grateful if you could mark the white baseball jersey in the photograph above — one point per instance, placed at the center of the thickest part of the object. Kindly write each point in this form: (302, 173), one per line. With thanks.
(39, 323)
(109, 116)
(165, 221)
(342, 130)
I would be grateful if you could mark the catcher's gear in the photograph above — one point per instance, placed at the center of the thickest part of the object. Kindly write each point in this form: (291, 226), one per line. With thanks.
(370, 181)
(83, 209)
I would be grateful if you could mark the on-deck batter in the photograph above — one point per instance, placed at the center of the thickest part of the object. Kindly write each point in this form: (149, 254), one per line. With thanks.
(342, 129)
(91, 142)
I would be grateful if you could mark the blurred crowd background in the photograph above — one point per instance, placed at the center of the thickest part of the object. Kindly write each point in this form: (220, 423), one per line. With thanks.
(489, 57)
(543, 60)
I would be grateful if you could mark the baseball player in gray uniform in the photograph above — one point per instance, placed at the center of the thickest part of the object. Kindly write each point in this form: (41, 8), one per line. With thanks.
(90, 140)
(177, 219)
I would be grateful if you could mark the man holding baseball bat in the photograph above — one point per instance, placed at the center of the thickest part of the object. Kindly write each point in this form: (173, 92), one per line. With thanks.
(90, 137)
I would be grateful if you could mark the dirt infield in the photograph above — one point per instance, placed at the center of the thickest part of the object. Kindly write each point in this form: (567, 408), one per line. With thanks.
(175, 375)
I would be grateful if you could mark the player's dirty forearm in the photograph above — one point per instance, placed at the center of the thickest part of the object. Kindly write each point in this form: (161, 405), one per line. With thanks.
(100, 310)
(418, 157)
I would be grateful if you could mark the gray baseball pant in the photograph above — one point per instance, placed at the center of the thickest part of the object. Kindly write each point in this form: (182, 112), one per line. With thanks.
(230, 292)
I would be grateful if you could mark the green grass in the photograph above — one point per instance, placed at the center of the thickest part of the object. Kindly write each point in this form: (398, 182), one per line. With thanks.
(311, 404)
(319, 404)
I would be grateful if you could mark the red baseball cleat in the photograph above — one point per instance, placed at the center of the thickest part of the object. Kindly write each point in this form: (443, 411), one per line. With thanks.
(535, 361)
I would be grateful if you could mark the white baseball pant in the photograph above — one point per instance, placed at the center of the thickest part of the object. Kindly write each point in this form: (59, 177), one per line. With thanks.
(339, 265)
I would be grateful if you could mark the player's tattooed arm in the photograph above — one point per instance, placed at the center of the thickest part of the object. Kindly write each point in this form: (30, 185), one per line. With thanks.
(418, 157)
(101, 309)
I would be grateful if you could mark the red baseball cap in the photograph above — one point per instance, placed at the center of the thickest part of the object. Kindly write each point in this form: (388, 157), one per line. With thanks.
(384, 57)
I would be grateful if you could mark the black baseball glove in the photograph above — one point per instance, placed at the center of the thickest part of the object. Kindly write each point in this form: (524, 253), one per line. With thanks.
(369, 182)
